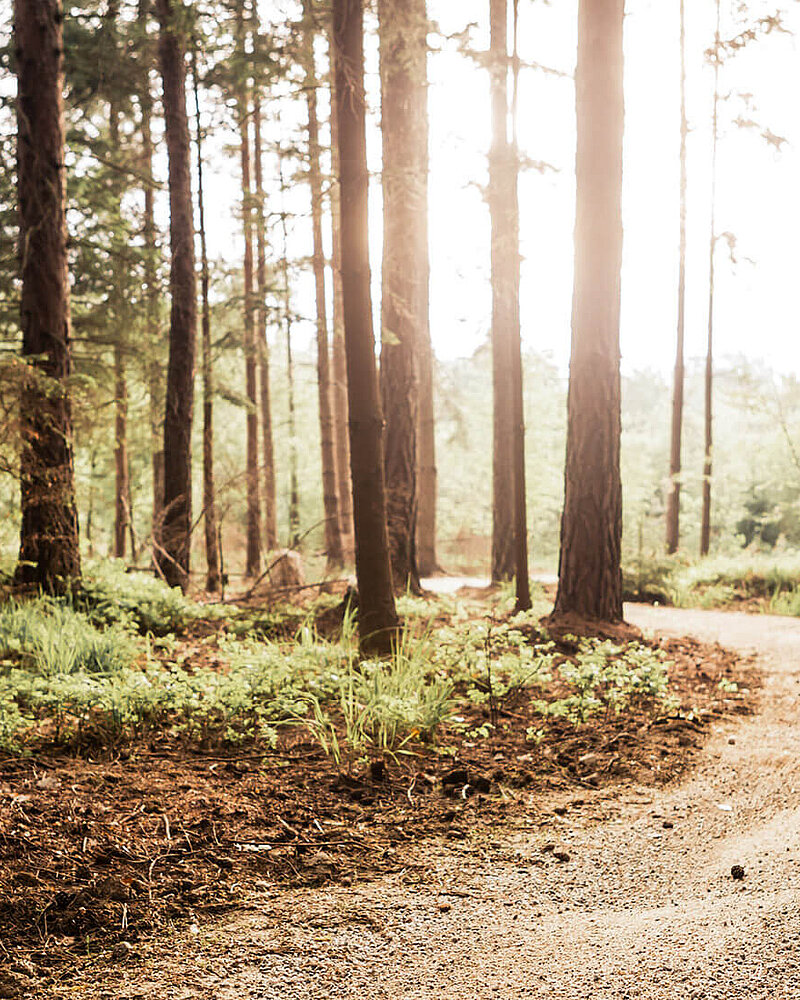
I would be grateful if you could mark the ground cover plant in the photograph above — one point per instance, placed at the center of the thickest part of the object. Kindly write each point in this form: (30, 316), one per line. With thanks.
(148, 776)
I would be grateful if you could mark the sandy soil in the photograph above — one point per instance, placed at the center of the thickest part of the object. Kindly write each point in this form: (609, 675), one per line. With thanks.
(642, 903)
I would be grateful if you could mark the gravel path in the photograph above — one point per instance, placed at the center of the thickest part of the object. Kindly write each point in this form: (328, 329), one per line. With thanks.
(645, 907)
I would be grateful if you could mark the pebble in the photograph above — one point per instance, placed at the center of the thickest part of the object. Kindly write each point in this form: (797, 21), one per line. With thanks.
(737, 873)
(562, 856)
(122, 951)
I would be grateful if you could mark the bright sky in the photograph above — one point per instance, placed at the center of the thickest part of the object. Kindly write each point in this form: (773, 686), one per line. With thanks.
(758, 299)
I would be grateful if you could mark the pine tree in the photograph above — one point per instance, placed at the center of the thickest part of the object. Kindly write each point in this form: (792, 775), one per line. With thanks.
(174, 546)
(376, 614)
(590, 578)
(333, 537)
(49, 555)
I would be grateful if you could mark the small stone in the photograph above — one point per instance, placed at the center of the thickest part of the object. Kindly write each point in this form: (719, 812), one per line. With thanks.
(560, 810)
(122, 951)
(458, 776)
(445, 907)
(548, 847)
(562, 856)
(668, 824)
(377, 770)
(737, 873)
(732, 741)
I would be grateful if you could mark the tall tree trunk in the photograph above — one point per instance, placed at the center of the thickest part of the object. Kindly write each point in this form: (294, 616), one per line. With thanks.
(175, 544)
(344, 483)
(590, 578)
(523, 587)
(213, 561)
(404, 319)
(49, 554)
(294, 481)
(153, 367)
(377, 615)
(253, 558)
(674, 495)
(333, 536)
(122, 485)
(427, 559)
(705, 521)
(267, 446)
(503, 309)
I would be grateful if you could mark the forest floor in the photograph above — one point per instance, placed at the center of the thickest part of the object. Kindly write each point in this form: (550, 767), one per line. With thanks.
(596, 864)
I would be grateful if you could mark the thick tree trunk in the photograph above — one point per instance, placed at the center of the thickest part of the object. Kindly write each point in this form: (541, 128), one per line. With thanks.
(175, 543)
(377, 615)
(49, 554)
(213, 560)
(523, 587)
(674, 495)
(344, 486)
(590, 579)
(262, 343)
(294, 480)
(705, 518)
(253, 558)
(503, 307)
(404, 319)
(333, 536)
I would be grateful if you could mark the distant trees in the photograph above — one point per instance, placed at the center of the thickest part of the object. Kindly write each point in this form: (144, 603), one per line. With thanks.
(49, 555)
(174, 544)
(674, 494)
(590, 579)
(377, 615)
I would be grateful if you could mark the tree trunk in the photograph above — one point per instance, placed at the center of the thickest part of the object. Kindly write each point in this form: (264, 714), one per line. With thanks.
(590, 579)
(674, 495)
(344, 487)
(49, 554)
(175, 543)
(503, 308)
(122, 484)
(267, 446)
(294, 481)
(213, 561)
(705, 521)
(427, 560)
(523, 587)
(122, 512)
(253, 559)
(404, 319)
(377, 615)
(153, 367)
(333, 537)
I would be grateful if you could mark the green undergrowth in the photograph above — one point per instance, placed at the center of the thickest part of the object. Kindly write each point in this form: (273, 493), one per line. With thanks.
(766, 582)
(126, 659)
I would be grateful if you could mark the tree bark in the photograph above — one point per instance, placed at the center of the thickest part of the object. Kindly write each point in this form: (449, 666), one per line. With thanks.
(49, 554)
(262, 343)
(294, 481)
(344, 486)
(253, 557)
(523, 587)
(175, 543)
(674, 495)
(377, 615)
(503, 310)
(213, 560)
(153, 367)
(427, 559)
(404, 318)
(333, 537)
(705, 519)
(590, 579)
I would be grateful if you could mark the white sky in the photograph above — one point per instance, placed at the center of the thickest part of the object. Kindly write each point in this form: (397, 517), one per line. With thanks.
(758, 300)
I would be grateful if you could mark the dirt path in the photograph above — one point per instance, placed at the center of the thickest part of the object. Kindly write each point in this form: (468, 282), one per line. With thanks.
(645, 907)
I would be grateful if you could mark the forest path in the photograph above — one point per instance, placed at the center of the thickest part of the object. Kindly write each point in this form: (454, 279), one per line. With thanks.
(645, 907)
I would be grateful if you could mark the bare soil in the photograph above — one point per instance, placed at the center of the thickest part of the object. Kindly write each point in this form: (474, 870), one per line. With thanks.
(582, 867)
